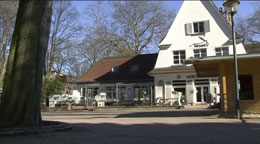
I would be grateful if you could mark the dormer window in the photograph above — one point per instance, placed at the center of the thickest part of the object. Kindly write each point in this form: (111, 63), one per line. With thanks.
(135, 68)
(115, 69)
(197, 27)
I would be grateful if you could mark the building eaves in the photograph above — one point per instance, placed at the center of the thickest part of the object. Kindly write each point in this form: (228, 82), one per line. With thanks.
(220, 58)
(173, 69)
(252, 48)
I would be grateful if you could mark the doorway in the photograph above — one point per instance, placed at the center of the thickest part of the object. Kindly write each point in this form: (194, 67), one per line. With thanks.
(183, 96)
(202, 93)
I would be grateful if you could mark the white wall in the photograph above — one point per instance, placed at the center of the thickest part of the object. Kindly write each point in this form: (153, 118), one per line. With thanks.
(193, 11)
(190, 87)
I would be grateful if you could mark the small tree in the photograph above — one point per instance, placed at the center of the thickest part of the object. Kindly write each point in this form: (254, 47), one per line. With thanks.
(51, 87)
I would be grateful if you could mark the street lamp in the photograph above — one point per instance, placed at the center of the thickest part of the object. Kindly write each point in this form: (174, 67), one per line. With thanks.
(231, 7)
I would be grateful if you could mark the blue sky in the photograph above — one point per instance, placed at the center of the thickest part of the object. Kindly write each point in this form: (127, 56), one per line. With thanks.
(245, 7)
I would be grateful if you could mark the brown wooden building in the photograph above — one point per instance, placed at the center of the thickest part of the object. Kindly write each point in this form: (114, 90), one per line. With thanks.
(249, 79)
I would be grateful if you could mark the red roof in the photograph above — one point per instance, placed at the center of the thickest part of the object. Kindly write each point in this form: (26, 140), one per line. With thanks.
(101, 72)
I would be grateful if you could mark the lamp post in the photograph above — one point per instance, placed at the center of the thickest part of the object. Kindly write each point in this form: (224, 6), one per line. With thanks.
(231, 7)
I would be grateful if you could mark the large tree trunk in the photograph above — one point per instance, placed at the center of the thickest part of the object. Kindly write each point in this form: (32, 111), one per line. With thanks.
(23, 80)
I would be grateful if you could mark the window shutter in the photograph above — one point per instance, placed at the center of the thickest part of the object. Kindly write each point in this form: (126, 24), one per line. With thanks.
(206, 26)
(188, 28)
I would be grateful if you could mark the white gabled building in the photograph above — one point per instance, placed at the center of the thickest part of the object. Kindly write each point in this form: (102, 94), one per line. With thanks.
(199, 30)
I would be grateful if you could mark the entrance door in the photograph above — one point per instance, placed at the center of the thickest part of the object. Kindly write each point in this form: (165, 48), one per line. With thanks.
(205, 94)
(199, 94)
(202, 93)
(183, 91)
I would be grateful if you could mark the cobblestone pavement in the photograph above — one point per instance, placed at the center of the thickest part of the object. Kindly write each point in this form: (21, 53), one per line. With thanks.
(145, 127)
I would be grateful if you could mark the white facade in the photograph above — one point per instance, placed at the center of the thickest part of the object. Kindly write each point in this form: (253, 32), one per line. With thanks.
(198, 30)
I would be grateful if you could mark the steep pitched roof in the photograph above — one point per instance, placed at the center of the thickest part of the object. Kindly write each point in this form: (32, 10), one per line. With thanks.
(213, 11)
(103, 67)
(101, 72)
(238, 36)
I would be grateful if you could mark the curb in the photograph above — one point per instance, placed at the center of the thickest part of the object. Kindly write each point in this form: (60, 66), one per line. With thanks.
(34, 130)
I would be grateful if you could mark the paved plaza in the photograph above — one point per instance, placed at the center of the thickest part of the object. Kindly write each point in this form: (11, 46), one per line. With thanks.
(184, 126)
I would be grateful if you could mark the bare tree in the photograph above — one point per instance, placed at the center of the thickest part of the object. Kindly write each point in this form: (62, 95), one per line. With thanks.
(8, 11)
(131, 28)
(93, 47)
(65, 29)
(20, 105)
(140, 24)
(249, 27)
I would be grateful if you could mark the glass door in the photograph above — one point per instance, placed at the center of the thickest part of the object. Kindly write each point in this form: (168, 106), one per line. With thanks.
(198, 94)
(202, 94)
(205, 94)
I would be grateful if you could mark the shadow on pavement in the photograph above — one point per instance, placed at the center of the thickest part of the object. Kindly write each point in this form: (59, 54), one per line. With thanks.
(177, 113)
(156, 133)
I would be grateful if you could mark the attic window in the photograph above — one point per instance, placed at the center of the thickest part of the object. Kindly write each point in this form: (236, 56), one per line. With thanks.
(197, 27)
(115, 69)
(135, 68)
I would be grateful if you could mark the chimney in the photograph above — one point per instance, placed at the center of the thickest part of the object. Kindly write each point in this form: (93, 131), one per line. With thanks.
(228, 15)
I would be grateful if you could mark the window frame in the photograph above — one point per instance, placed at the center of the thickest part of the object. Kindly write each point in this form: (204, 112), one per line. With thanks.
(83, 92)
(197, 27)
(181, 57)
(111, 93)
(219, 51)
(199, 52)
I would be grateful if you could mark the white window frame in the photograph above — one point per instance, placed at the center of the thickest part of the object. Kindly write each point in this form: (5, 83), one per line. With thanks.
(199, 52)
(189, 27)
(199, 24)
(180, 56)
(111, 90)
(221, 51)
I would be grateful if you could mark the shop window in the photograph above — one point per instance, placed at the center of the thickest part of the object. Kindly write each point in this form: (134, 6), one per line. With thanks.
(83, 92)
(111, 93)
(246, 87)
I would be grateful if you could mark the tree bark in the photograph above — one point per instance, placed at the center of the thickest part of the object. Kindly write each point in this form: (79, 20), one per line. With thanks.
(20, 105)
(2, 64)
